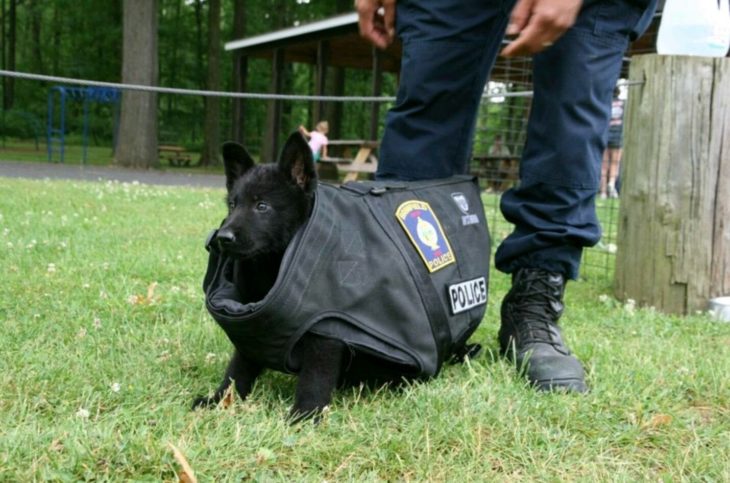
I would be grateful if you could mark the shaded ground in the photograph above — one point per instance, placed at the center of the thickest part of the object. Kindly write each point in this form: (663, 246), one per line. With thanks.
(35, 170)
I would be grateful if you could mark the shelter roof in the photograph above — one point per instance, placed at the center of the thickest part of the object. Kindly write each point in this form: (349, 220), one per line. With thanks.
(300, 43)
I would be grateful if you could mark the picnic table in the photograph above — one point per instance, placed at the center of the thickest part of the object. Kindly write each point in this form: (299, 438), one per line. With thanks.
(364, 161)
(499, 171)
(175, 155)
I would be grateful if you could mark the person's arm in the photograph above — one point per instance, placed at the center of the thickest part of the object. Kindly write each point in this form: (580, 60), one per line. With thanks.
(304, 132)
(538, 24)
(324, 150)
(377, 27)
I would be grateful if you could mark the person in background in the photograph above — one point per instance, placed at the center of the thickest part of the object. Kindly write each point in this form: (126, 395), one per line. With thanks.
(611, 165)
(317, 139)
(449, 48)
(506, 165)
(498, 147)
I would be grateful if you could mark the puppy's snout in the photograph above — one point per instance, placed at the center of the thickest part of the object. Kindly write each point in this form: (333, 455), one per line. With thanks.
(225, 237)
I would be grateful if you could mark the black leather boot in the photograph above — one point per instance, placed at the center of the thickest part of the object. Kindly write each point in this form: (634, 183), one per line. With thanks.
(530, 335)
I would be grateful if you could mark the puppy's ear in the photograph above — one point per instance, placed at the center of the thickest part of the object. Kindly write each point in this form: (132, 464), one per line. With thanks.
(296, 162)
(236, 161)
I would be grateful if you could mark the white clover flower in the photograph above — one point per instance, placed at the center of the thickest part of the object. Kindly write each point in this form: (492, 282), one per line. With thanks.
(210, 358)
(630, 306)
(116, 387)
(51, 268)
(97, 323)
(83, 413)
(605, 299)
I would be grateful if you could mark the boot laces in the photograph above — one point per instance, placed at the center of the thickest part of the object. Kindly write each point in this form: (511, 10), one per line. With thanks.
(536, 307)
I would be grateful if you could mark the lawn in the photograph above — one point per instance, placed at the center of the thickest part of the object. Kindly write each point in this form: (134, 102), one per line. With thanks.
(17, 150)
(106, 341)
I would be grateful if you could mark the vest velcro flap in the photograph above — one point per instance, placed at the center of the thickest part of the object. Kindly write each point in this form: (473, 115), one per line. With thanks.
(397, 270)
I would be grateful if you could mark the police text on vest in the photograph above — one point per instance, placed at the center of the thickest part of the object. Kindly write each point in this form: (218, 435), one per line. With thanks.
(466, 295)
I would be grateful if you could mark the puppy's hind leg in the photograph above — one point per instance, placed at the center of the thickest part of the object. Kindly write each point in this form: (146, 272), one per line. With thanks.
(322, 362)
(242, 371)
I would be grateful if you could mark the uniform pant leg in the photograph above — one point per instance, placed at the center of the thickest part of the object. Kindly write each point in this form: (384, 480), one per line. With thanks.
(449, 47)
(553, 207)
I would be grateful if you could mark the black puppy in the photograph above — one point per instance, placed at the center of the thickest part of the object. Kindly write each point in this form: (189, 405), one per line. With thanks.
(267, 204)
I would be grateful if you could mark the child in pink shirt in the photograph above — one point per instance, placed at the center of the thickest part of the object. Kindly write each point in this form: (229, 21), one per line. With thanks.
(317, 139)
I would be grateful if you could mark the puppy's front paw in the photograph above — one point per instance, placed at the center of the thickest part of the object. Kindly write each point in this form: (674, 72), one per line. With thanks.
(204, 402)
(298, 415)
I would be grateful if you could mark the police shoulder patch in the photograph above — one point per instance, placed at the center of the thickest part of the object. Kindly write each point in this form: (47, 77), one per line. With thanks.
(424, 230)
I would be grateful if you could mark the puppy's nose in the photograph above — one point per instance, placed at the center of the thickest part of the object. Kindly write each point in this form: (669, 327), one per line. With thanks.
(225, 237)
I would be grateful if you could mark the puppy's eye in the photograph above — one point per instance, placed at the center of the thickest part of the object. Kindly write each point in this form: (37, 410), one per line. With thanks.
(262, 206)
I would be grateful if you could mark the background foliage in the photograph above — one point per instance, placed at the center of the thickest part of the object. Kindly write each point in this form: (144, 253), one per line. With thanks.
(83, 39)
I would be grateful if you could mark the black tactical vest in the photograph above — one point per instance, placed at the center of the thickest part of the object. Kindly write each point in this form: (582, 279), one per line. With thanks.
(398, 270)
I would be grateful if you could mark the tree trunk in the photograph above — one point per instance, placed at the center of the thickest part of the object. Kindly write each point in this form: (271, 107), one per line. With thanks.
(137, 145)
(36, 14)
(674, 233)
(57, 19)
(174, 61)
(240, 72)
(200, 69)
(2, 38)
(211, 130)
(9, 82)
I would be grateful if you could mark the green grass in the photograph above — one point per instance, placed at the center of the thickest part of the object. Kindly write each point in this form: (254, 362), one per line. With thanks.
(24, 151)
(95, 386)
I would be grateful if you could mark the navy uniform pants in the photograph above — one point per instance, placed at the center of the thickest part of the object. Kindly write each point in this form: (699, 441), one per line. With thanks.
(449, 47)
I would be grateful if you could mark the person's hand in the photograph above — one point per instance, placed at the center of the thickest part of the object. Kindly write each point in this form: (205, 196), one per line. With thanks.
(376, 25)
(538, 24)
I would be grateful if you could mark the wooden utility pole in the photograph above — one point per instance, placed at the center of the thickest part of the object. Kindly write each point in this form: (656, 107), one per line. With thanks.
(674, 221)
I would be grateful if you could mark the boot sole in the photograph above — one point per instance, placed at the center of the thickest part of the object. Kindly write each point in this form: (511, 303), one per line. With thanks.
(561, 385)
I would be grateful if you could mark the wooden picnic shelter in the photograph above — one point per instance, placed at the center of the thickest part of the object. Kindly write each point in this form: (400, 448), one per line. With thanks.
(331, 43)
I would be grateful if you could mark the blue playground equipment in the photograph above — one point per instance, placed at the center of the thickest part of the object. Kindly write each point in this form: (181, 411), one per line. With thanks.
(56, 136)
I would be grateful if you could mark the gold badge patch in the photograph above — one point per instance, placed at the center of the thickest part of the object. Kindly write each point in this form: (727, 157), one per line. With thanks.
(424, 230)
